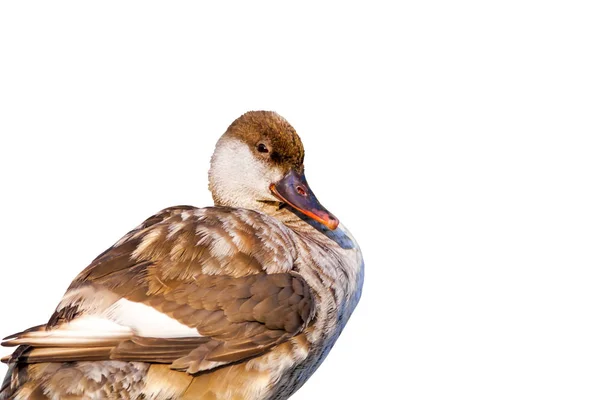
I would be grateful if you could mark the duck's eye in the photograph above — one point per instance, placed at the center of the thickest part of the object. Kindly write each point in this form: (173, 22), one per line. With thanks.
(262, 148)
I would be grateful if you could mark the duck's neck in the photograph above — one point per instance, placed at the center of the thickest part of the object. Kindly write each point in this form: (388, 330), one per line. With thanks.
(294, 220)
(309, 228)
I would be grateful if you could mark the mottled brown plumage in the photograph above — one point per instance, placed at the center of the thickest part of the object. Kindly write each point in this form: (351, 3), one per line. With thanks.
(238, 301)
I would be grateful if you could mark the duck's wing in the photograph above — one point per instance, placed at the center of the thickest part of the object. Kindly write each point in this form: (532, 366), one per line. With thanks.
(193, 288)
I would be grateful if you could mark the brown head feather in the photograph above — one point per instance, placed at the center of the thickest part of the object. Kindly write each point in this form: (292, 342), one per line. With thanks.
(272, 130)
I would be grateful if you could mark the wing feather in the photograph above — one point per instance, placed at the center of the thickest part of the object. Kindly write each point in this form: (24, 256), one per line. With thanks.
(220, 279)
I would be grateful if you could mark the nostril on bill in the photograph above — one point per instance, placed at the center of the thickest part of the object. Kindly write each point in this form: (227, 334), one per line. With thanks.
(301, 191)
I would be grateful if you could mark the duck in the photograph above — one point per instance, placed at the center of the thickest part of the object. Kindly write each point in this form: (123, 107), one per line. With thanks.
(242, 300)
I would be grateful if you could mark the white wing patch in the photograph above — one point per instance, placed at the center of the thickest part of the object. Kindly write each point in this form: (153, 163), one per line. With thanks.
(120, 321)
(87, 330)
(145, 321)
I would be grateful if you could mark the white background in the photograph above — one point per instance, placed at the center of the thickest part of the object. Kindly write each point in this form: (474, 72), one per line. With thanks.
(457, 140)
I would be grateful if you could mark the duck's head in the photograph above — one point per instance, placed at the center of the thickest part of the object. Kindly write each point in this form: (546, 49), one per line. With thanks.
(258, 163)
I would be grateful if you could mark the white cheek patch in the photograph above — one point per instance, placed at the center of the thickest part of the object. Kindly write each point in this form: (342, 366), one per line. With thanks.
(145, 321)
(239, 177)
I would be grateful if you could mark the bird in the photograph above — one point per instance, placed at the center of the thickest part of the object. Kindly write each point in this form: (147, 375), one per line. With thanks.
(242, 300)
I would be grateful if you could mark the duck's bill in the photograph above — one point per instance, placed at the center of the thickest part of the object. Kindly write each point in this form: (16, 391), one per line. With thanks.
(294, 190)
